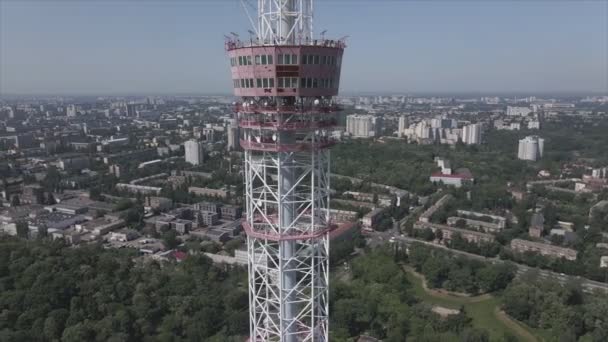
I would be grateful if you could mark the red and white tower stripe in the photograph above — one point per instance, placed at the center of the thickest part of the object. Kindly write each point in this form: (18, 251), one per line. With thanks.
(285, 80)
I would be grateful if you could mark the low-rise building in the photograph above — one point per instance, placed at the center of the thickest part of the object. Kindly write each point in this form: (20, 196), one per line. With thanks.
(53, 221)
(207, 206)
(160, 203)
(220, 193)
(522, 246)
(604, 261)
(124, 235)
(426, 215)
(218, 235)
(73, 162)
(488, 227)
(537, 224)
(230, 212)
(456, 179)
(100, 226)
(448, 233)
(206, 218)
(336, 215)
(70, 236)
(371, 219)
(500, 221)
(141, 189)
(234, 228)
(181, 226)
(10, 186)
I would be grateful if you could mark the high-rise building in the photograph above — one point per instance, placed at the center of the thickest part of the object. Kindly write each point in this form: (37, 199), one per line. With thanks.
(531, 148)
(518, 111)
(403, 123)
(286, 80)
(194, 152)
(131, 110)
(534, 124)
(600, 173)
(363, 126)
(70, 110)
(423, 130)
(232, 136)
(471, 134)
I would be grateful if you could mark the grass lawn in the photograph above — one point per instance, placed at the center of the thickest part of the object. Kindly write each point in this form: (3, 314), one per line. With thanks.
(484, 310)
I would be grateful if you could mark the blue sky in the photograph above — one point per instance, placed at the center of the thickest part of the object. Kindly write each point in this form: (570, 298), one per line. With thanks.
(162, 46)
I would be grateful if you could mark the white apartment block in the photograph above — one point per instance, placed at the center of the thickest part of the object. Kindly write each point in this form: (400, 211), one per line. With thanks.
(363, 126)
(471, 134)
(518, 111)
(531, 148)
(194, 153)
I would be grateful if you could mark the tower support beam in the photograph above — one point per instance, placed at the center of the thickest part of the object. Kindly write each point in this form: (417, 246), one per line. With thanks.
(286, 81)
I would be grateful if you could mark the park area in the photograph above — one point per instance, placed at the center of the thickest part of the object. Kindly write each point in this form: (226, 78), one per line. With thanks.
(484, 309)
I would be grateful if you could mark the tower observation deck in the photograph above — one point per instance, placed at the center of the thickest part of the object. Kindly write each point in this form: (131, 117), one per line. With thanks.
(285, 81)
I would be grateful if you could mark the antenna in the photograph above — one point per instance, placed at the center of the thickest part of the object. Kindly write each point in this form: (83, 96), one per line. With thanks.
(245, 4)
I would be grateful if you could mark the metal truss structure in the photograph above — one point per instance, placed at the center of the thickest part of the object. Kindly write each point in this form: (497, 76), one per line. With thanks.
(285, 133)
(288, 246)
(284, 21)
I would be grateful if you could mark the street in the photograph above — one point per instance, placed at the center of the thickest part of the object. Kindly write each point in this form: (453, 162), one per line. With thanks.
(377, 239)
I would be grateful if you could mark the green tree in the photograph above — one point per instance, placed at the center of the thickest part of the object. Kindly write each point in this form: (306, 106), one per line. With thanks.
(15, 201)
(23, 230)
(170, 239)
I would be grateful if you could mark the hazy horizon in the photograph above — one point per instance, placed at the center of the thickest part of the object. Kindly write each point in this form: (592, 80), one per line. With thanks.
(466, 47)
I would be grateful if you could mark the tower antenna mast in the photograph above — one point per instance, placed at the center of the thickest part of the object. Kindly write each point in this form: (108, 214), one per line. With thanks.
(285, 82)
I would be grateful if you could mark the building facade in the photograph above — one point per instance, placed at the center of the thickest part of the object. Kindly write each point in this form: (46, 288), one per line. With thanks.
(363, 126)
(531, 148)
(194, 152)
(471, 134)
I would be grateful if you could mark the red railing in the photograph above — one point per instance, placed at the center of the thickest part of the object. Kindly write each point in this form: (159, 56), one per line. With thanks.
(287, 126)
(273, 236)
(259, 109)
(277, 147)
(235, 43)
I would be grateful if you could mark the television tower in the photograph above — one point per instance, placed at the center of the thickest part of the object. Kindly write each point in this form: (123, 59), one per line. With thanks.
(285, 80)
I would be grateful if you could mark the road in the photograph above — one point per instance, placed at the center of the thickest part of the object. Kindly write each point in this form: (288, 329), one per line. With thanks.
(377, 239)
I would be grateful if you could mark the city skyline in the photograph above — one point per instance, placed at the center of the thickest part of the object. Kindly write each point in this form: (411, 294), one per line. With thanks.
(469, 47)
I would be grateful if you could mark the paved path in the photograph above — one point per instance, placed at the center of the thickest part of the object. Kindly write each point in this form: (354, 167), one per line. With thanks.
(514, 325)
(587, 285)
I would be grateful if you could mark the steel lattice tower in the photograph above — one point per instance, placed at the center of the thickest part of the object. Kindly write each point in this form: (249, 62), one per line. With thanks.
(285, 80)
